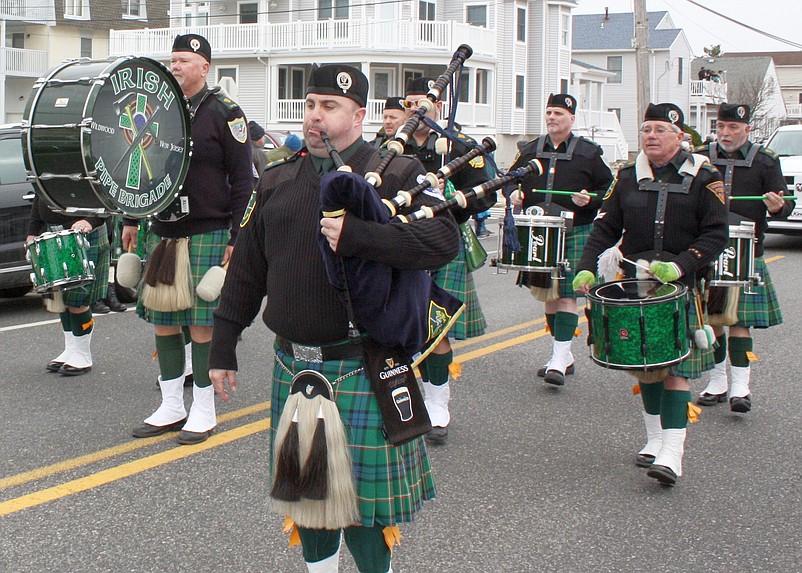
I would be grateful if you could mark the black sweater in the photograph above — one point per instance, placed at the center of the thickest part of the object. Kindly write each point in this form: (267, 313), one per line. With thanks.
(42, 217)
(277, 254)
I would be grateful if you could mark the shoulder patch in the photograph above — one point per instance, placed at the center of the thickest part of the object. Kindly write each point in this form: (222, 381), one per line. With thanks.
(717, 189)
(223, 98)
(288, 159)
(707, 166)
(627, 165)
(593, 143)
(769, 152)
(238, 129)
(703, 149)
(610, 189)
(246, 216)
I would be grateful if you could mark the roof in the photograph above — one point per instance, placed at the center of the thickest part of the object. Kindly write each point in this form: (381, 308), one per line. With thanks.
(588, 66)
(780, 58)
(594, 32)
(736, 67)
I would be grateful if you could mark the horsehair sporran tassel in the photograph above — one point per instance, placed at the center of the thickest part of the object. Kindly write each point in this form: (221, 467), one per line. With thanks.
(168, 278)
(314, 482)
(287, 465)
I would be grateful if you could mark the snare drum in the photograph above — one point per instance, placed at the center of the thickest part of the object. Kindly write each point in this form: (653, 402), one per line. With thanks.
(107, 136)
(59, 260)
(736, 264)
(542, 240)
(638, 324)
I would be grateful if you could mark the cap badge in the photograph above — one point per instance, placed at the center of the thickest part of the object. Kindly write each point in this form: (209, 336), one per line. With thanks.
(741, 111)
(344, 81)
(195, 44)
(673, 116)
(568, 103)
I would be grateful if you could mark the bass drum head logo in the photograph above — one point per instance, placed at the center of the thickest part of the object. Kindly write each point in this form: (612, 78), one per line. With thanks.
(139, 140)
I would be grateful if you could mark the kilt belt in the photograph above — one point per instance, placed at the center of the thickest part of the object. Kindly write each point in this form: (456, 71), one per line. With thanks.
(337, 351)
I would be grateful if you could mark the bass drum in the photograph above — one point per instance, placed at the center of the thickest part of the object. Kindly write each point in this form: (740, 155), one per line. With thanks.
(107, 136)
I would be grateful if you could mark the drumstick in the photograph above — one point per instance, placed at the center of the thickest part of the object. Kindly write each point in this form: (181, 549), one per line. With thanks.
(555, 192)
(757, 197)
(645, 268)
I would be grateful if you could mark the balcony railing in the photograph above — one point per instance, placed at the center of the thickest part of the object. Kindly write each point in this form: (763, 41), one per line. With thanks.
(39, 11)
(711, 92)
(29, 63)
(793, 110)
(321, 35)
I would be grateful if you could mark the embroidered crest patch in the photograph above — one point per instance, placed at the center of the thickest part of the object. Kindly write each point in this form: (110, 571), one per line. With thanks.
(239, 129)
(717, 188)
(610, 189)
(477, 162)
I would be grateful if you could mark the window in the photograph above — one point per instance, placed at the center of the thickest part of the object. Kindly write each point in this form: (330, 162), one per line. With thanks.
(248, 13)
(476, 15)
(426, 10)
(520, 25)
(464, 87)
(800, 97)
(519, 92)
(680, 71)
(226, 73)
(616, 111)
(614, 64)
(482, 88)
(336, 9)
(133, 8)
(76, 9)
(382, 82)
(712, 130)
(17, 40)
(563, 86)
(565, 30)
(86, 47)
(197, 15)
(12, 168)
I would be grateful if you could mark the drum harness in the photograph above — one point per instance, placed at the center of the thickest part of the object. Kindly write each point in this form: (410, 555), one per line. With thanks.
(553, 157)
(731, 164)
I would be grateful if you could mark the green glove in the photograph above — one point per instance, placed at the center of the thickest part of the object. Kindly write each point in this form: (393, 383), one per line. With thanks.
(583, 278)
(666, 272)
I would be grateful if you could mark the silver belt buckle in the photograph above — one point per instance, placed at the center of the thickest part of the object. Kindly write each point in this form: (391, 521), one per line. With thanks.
(307, 353)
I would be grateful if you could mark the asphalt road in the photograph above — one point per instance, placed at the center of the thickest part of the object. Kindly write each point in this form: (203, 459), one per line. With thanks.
(533, 478)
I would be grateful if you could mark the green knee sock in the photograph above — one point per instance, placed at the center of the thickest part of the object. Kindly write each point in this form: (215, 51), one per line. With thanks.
(424, 370)
(437, 367)
(200, 364)
(738, 349)
(82, 323)
(171, 356)
(550, 322)
(66, 321)
(368, 548)
(674, 409)
(565, 326)
(652, 395)
(318, 544)
(720, 352)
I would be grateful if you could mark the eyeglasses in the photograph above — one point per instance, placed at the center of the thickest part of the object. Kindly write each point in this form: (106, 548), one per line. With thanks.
(407, 104)
(656, 130)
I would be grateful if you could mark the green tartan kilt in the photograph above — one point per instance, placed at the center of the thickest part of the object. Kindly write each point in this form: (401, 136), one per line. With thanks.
(391, 482)
(699, 361)
(205, 251)
(761, 309)
(98, 253)
(455, 279)
(574, 244)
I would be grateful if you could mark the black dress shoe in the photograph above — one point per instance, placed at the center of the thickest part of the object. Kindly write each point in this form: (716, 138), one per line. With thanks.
(664, 474)
(437, 436)
(541, 372)
(115, 305)
(186, 438)
(644, 460)
(67, 370)
(99, 307)
(554, 377)
(189, 380)
(706, 399)
(149, 430)
(741, 404)
(54, 366)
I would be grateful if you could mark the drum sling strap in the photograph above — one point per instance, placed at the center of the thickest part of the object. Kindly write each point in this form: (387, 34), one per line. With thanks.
(731, 163)
(553, 157)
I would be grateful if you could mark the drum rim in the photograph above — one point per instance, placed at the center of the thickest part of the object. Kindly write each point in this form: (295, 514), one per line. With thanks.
(643, 367)
(680, 292)
(552, 218)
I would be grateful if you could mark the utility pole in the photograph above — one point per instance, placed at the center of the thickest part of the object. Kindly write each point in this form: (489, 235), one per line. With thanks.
(641, 45)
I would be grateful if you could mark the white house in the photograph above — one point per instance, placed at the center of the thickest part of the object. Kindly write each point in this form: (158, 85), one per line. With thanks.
(605, 41)
(521, 54)
(788, 66)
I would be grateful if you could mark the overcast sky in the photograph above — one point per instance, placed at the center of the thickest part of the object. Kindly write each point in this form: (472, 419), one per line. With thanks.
(778, 17)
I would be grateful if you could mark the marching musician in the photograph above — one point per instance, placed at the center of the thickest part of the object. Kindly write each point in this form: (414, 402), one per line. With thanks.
(278, 256)
(218, 183)
(571, 163)
(668, 208)
(76, 318)
(748, 169)
(454, 277)
(393, 117)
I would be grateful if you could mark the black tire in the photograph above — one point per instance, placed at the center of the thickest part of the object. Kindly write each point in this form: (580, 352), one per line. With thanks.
(14, 292)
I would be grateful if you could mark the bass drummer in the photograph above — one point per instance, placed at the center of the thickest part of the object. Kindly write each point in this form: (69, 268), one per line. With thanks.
(748, 169)
(668, 209)
(571, 163)
(218, 183)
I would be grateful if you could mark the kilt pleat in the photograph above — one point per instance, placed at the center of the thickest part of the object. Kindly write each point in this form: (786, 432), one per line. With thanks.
(762, 308)
(455, 279)
(700, 360)
(97, 253)
(574, 244)
(205, 251)
(392, 482)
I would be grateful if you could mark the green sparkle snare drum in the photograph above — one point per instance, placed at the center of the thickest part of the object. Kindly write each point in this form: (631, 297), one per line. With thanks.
(104, 136)
(59, 260)
(542, 240)
(638, 324)
(736, 264)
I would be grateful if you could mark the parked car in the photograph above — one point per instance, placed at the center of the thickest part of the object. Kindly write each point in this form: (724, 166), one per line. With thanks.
(786, 142)
(16, 197)
(274, 139)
